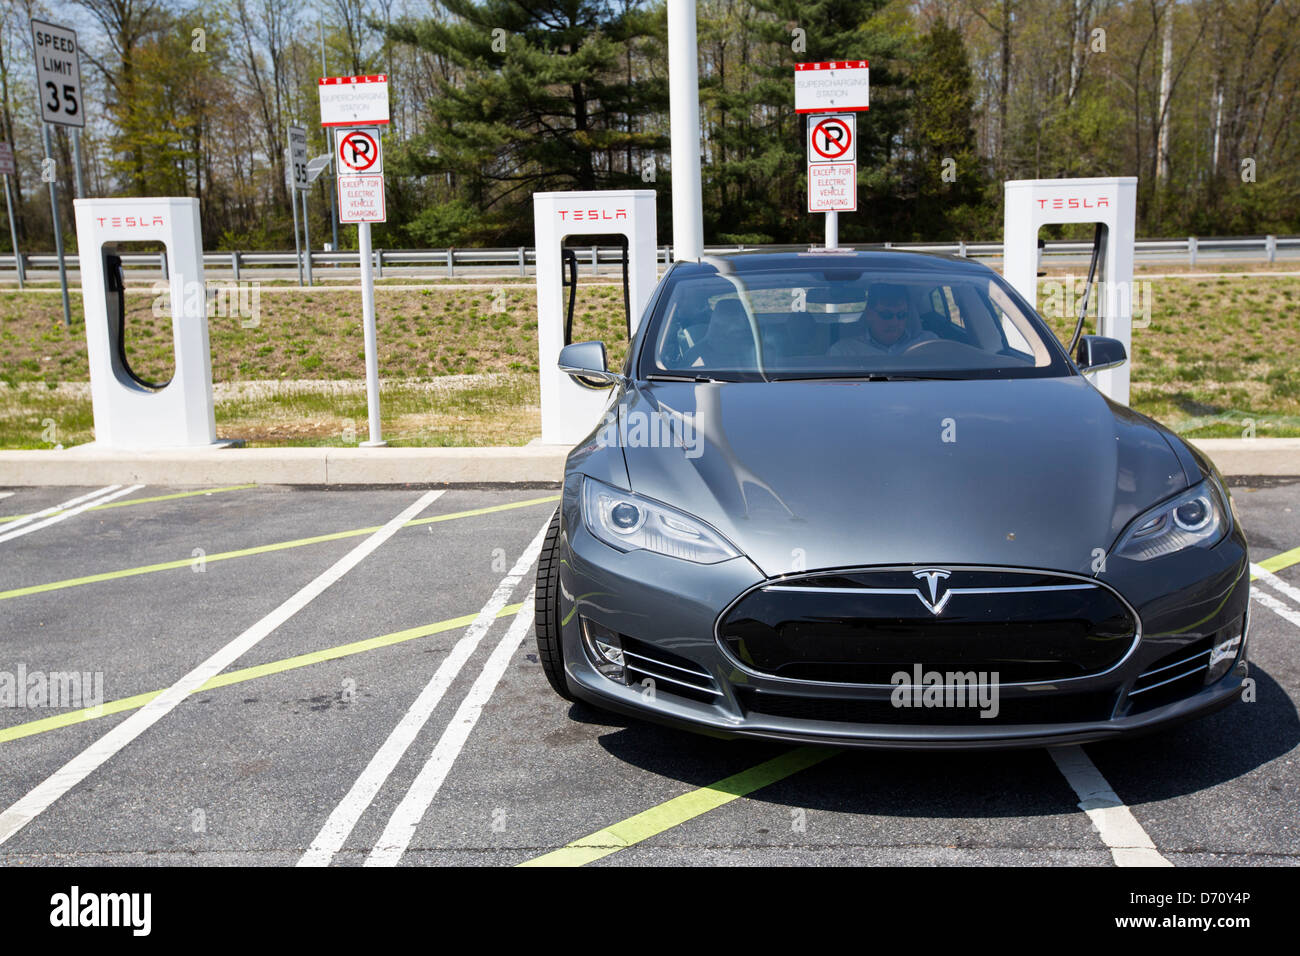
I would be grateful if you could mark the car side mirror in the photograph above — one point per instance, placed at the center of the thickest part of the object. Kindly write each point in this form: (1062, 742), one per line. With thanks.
(585, 362)
(1097, 352)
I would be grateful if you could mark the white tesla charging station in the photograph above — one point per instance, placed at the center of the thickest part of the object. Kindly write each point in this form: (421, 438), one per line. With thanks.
(130, 413)
(571, 410)
(1033, 203)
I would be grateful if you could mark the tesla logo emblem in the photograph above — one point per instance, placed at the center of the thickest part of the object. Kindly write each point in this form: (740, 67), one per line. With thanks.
(932, 577)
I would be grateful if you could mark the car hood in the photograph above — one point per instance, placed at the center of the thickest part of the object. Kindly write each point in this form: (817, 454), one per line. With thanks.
(1040, 473)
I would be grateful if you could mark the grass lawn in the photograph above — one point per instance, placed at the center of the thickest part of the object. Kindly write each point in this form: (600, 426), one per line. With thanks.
(460, 361)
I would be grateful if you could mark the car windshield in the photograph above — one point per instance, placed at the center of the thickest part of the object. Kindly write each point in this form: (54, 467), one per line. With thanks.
(846, 323)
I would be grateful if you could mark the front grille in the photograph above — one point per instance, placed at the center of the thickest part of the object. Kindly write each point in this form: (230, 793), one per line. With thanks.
(1046, 708)
(1172, 677)
(865, 626)
(671, 673)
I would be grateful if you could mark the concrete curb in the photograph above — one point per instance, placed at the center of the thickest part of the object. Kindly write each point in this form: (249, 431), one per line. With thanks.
(1255, 457)
(535, 463)
(85, 465)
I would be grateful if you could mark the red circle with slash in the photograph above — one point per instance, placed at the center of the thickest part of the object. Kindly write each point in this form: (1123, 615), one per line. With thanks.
(836, 134)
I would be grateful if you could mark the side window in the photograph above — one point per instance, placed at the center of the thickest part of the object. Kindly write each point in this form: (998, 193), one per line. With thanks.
(937, 303)
(954, 313)
(1014, 337)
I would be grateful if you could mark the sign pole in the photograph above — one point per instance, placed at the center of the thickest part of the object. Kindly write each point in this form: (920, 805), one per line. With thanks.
(13, 233)
(58, 228)
(76, 159)
(360, 103)
(334, 217)
(831, 95)
(684, 111)
(58, 88)
(293, 208)
(306, 236)
(329, 143)
(372, 345)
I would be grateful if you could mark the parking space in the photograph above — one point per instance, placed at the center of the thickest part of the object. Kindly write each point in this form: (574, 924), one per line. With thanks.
(376, 699)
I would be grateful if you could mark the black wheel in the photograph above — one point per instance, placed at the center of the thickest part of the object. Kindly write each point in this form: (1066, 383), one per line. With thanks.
(550, 648)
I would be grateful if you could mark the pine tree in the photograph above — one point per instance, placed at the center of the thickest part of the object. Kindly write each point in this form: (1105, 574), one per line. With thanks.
(543, 94)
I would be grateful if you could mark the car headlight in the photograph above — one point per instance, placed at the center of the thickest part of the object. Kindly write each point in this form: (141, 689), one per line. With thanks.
(1196, 518)
(629, 522)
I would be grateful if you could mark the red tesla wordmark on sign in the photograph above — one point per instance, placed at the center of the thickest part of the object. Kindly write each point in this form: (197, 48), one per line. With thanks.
(832, 138)
(358, 151)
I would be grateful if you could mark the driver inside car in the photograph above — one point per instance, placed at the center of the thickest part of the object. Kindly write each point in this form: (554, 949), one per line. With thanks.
(887, 316)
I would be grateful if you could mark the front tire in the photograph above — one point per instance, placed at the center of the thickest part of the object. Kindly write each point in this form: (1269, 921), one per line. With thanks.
(550, 645)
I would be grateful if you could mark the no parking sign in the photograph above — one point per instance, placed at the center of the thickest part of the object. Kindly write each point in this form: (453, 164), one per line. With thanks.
(832, 139)
(358, 152)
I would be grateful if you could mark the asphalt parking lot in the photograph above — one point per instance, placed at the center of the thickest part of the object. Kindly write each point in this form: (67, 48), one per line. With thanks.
(348, 677)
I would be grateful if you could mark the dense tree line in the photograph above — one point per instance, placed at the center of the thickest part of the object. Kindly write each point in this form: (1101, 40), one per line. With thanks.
(495, 99)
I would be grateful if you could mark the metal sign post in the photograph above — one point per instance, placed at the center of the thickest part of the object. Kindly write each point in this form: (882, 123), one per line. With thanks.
(293, 209)
(306, 236)
(8, 167)
(58, 228)
(299, 180)
(361, 104)
(684, 131)
(58, 89)
(840, 88)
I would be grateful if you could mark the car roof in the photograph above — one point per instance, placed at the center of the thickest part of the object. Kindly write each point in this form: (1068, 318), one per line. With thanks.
(884, 261)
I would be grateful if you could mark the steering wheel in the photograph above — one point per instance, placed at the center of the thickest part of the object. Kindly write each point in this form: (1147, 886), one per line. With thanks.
(917, 346)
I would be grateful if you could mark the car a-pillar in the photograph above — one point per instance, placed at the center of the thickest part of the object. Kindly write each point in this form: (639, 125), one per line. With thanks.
(1112, 204)
(571, 409)
(130, 410)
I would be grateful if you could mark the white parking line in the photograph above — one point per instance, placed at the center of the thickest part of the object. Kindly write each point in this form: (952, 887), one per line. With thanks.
(73, 506)
(1275, 582)
(86, 762)
(1275, 605)
(1118, 828)
(401, 826)
(341, 822)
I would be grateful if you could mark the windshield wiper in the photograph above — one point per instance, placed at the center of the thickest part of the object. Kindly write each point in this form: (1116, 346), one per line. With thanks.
(866, 377)
(656, 377)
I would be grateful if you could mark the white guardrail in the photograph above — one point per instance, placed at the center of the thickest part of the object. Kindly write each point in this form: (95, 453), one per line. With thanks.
(445, 262)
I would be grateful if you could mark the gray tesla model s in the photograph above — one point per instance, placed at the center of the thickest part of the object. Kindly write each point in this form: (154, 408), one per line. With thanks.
(868, 499)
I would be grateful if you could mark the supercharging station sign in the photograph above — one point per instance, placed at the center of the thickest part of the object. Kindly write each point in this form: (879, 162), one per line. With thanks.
(832, 94)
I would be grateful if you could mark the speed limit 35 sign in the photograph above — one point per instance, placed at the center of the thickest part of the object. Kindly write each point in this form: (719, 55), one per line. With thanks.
(58, 74)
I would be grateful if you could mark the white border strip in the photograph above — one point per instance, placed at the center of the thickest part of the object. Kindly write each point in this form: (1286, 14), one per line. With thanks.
(85, 763)
(401, 827)
(338, 827)
(1119, 830)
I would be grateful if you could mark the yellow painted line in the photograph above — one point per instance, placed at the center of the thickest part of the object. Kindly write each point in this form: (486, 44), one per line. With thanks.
(71, 717)
(140, 501)
(678, 810)
(1280, 561)
(260, 549)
